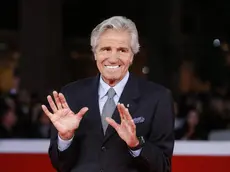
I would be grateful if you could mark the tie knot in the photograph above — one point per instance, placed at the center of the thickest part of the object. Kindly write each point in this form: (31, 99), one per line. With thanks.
(111, 93)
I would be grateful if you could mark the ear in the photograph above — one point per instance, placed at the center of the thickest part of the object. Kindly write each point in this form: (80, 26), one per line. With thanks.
(95, 56)
(131, 60)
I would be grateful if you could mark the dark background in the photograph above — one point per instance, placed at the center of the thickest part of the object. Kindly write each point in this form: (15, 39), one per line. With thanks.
(45, 44)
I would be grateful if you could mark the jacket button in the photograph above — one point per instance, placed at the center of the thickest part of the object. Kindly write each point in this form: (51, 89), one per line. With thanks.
(101, 170)
(103, 148)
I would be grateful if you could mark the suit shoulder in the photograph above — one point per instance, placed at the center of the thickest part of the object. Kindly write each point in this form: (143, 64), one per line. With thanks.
(151, 87)
(79, 84)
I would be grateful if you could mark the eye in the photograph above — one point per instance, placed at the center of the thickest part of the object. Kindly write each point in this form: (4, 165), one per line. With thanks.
(104, 49)
(123, 50)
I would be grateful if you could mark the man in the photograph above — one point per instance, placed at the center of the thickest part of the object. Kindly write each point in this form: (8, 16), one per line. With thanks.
(113, 122)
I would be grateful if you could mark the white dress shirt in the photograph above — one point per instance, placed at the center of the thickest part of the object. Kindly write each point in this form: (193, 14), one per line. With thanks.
(102, 91)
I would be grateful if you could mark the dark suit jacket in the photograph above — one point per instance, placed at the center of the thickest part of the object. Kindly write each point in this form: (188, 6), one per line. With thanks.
(92, 151)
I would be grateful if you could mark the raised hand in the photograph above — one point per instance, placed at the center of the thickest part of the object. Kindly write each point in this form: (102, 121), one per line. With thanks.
(127, 129)
(63, 118)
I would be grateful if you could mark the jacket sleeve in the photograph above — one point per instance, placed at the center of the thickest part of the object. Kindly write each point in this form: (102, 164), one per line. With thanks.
(62, 161)
(157, 152)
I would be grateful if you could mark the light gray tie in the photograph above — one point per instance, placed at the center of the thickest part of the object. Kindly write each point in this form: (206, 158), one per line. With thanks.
(108, 108)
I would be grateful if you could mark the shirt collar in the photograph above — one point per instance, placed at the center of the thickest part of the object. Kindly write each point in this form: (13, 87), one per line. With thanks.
(119, 87)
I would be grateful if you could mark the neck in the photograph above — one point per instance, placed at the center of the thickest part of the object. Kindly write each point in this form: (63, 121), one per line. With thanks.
(111, 83)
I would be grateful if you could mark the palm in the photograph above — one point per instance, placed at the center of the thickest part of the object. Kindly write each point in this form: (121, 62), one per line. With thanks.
(63, 118)
(127, 129)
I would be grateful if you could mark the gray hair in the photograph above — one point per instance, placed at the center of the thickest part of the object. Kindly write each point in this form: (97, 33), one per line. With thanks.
(119, 23)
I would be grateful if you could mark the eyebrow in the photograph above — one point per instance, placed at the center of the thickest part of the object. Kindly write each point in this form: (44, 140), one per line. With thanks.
(105, 47)
(119, 48)
(123, 48)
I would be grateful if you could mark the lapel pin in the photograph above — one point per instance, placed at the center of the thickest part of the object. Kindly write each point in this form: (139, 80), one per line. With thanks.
(127, 105)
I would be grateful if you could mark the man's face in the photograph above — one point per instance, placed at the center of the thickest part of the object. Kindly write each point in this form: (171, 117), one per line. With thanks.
(113, 55)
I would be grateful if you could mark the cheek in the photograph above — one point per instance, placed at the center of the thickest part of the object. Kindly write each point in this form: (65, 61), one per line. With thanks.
(99, 58)
(100, 65)
(128, 61)
(99, 62)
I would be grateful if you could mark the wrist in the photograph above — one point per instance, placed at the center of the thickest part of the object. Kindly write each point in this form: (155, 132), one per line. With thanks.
(134, 143)
(66, 136)
(138, 144)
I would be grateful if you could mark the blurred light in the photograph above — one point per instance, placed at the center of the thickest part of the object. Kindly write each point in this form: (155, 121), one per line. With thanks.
(145, 70)
(16, 55)
(3, 46)
(225, 47)
(216, 43)
(74, 54)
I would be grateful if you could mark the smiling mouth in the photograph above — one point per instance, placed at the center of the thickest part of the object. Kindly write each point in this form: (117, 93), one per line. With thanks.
(112, 67)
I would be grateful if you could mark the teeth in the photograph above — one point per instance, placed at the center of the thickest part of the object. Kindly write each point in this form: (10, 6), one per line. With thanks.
(112, 67)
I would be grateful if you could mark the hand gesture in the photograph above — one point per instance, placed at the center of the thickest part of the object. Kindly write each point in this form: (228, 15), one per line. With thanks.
(127, 129)
(63, 119)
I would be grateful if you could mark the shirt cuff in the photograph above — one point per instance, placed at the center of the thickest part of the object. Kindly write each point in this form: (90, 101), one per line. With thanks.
(135, 153)
(63, 144)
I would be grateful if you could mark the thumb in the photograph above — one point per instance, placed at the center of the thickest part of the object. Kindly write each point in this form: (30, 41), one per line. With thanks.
(112, 123)
(82, 112)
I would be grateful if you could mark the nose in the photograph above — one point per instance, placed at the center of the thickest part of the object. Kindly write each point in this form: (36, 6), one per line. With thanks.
(113, 58)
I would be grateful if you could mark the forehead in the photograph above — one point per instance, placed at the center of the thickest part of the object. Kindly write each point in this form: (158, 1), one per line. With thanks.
(112, 37)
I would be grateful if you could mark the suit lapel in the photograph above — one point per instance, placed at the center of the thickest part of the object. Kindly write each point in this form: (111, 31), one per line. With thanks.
(94, 112)
(130, 98)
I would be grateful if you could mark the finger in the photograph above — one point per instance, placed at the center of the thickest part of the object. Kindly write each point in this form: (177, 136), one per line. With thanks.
(112, 123)
(57, 100)
(126, 113)
(82, 112)
(120, 111)
(133, 127)
(130, 126)
(128, 118)
(52, 104)
(47, 112)
(63, 100)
